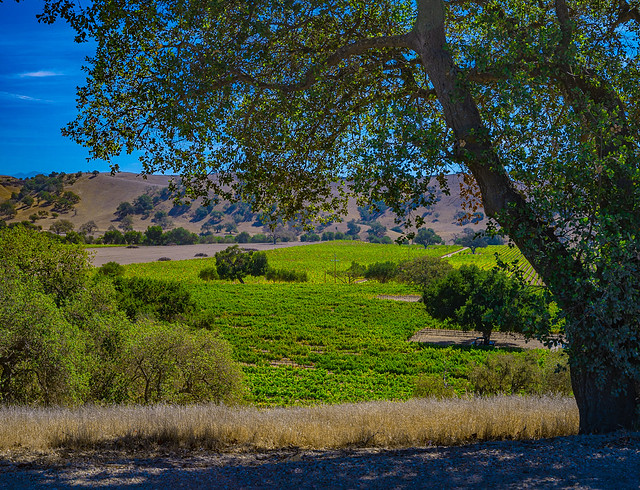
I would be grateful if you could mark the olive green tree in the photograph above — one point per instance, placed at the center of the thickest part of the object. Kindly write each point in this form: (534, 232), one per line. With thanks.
(298, 102)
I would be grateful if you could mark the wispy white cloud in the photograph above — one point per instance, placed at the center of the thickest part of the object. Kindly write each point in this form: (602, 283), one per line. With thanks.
(9, 95)
(41, 74)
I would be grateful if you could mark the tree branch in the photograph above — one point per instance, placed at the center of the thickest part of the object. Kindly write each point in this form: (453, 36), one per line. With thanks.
(311, 76)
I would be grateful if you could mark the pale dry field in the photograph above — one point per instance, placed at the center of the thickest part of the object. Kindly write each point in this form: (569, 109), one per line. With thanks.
(124, 255)
(417, 422)
(501, 442)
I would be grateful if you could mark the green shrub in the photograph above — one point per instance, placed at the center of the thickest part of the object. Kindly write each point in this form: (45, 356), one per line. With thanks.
(209, 274)
(422, 271)
(163, 300)
(522, 374)
(235, 263)
(171, 363)
(283, 275)
(381, 271)
(59, 269)
(42, 360)
(433, 386)
(111, 269)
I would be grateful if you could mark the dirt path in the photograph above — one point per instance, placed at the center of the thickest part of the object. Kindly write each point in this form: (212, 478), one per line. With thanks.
(598, 462)
(453, 253)
(125, 255)
(459, 337)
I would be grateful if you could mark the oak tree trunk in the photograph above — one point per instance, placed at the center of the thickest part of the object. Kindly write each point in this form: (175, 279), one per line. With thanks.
(601, 408)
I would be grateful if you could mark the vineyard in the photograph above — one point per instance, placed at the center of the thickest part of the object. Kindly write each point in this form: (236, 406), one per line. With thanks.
(325, 341)
(487, 258)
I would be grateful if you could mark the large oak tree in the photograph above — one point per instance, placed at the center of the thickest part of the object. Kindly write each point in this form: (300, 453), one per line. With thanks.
(297, 102)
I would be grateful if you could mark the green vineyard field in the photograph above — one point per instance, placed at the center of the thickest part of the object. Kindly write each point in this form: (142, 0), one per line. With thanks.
(326, 342)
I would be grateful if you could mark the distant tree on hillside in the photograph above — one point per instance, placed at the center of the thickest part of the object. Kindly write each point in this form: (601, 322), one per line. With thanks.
(88, 228)
(426, 237)
(125, 208)
(353, 229)
(126, 223)
(376, 230)
(61, 226)
(162, 219)
(8, 209)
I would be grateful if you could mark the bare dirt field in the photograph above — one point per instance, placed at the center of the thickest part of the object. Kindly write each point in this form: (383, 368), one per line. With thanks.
(587, 462)
(457, 337)
(125, 255)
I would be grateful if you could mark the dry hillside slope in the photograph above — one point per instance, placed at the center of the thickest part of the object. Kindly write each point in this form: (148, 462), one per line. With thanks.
(101, 194)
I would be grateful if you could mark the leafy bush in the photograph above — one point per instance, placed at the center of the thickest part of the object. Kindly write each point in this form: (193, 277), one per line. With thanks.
(60, 269)
(41, 354)
(422, 271)
(171, 363)
(511, 374)
(283, 275)
(310, 237)
(113, 236)
(234, 263)
(209, 274)
(111, 269)
(381, 271)
(433, 386)
(163, 300)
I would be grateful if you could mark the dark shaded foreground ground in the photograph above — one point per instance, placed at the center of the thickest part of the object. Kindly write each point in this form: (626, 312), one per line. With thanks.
(600, 462)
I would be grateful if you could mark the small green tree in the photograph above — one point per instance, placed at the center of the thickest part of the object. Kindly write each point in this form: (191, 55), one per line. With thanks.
(153, 235)
(125, 208)
(486, 300)
(61, 226)
(113, 236)
(422, 271)
(234, 263)
(88, 228)
(8, 209)
(381, 271)
(426, 237)
(143, 204)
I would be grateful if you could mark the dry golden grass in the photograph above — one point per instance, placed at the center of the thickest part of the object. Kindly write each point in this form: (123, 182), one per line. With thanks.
(418, 422)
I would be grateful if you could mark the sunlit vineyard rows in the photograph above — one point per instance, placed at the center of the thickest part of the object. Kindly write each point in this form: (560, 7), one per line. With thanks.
(486, 258)
(325, 341)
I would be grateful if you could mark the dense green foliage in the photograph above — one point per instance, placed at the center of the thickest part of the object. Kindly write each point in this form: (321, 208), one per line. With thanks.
(422, 271)
(165, 300)
(235, 264)
(486, 300)
(65, 338)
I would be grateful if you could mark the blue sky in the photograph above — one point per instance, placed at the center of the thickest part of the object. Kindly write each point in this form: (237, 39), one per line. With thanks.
(40, 67)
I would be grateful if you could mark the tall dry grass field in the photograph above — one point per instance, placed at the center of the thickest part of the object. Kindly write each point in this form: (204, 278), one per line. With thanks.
(416, 422)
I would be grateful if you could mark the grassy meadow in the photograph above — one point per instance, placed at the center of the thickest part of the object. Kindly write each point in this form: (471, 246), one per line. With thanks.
(325, 341)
